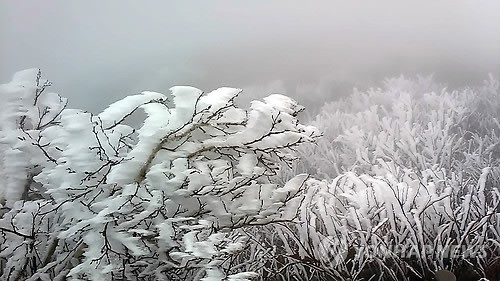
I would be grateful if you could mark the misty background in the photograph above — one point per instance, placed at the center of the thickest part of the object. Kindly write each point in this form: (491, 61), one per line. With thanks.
(96, 52)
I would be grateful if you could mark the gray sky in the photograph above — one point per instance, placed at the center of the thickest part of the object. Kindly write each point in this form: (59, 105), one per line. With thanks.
(99, 51)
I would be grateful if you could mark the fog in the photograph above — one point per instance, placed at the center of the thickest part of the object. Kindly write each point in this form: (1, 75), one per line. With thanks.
(99, 51)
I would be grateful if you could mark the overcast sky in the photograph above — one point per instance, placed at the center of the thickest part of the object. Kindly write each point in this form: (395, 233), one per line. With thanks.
(99, 51)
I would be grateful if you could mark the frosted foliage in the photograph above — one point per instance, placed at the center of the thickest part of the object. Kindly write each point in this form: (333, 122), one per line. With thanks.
(415, 123)
(376, 221)
(206, 190)
(95, 199)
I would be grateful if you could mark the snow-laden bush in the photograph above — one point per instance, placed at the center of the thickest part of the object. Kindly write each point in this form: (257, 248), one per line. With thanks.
(87, 197)
(395, 224)
(413, 124)
(411, 164)
(399, 225)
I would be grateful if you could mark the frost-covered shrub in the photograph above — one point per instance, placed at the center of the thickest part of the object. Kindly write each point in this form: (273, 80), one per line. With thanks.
(87, 197)
(394, 225)
(412, 124)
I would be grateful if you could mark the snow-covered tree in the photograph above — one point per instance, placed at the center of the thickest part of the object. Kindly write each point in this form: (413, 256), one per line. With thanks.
(87, 197)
